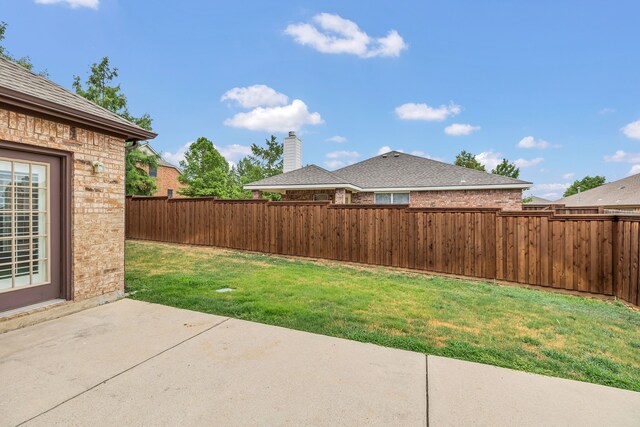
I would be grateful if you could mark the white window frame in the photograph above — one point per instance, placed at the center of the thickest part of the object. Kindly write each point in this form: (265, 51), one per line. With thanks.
(392, 194)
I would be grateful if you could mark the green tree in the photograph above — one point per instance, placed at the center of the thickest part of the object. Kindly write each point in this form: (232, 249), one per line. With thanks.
(204, 171)
(99, 88)
(507, 169)
(586, 183)
(23, 61)
(262, 163)
(468, 160)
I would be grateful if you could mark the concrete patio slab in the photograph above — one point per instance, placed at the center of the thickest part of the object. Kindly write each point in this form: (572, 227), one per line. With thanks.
(134, 363)
(45, 364)
(472, 394)
(242, 373)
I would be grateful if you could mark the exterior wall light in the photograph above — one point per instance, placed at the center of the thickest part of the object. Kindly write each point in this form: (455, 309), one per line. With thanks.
(98, 167)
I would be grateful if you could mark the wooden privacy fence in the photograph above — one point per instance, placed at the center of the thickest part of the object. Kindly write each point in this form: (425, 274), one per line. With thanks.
(592, 253)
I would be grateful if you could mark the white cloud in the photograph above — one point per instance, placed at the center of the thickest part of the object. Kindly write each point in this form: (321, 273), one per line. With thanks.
(232, 153)
(490, 159)
(418, 153)
(331, 33)
(339, 139)
(531, 142)
(255, 96)
(568, 175)
(412, 111)
(276, 119)
(621, 156)
(340, 158)
(384, 149)
(335, 164)
(527, 163)
(632, 130)
(341, 154)
(634, 170)
(91, 4)
(551, 191)
(607, 111)
(460, 129)
(174, 158)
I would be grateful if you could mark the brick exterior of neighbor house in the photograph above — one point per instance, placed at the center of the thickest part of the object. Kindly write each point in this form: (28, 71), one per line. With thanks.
(167, 179)
(97, 199)
(507, 199)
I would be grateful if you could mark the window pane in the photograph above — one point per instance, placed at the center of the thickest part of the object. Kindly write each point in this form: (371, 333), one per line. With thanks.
(401, 198)
(383, 198)
(39, 249)
(22, 250)
(5, 251)
(5, 224)
(38, 224)
(38, 176)
(22, 198)
(5, 276)
(21, 174)
(153, 172)
(21, 224)
(39, 200)
(23, 273)
(39, 271)
(5, 172)
(5, 198)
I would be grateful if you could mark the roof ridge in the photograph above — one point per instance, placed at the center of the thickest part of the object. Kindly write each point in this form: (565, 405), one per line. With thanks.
(333, 174)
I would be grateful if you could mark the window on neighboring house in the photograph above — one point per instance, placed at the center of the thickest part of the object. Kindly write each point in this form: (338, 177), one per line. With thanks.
(170, 193)
(153, 172)
(320, 197)
(392, 198)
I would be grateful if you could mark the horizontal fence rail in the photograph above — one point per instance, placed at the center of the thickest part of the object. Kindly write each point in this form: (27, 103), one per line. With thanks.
(592, 253)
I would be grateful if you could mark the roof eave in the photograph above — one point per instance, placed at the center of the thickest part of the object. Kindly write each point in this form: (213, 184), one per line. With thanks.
(32, 103)
(520, 186)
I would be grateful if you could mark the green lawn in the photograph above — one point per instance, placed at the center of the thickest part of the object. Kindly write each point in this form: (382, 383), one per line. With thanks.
(542, 332)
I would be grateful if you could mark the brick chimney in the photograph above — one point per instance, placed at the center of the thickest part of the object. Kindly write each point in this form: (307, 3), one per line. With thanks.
(292, 153)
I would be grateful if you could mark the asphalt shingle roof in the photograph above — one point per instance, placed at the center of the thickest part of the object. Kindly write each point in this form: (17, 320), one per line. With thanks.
(308, 175)
(624, 192)
(19, 79)
(393, 170)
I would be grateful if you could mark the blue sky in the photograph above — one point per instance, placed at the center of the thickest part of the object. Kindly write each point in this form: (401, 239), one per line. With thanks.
(553, 85)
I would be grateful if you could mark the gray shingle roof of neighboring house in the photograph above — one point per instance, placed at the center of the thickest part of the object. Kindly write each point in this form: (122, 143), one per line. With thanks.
(535, 200)
(23, 88)
(310, 175)
(624, 192)
(393, 170)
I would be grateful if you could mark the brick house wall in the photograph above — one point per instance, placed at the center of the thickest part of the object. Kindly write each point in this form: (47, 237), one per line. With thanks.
(302, 195)
(167, 179)
(97, 199)
(507, 199)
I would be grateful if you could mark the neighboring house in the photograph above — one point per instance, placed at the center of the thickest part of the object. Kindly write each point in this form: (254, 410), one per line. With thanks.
(391, 178)
(623, 194)
(166, 174)
(62, 195)
(535, 200)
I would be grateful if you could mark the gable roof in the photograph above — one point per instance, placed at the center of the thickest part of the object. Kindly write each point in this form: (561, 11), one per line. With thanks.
(394, 171)
(624, 192)
(310, 176)
(535, 200)
(22, 88)
(147, 148)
